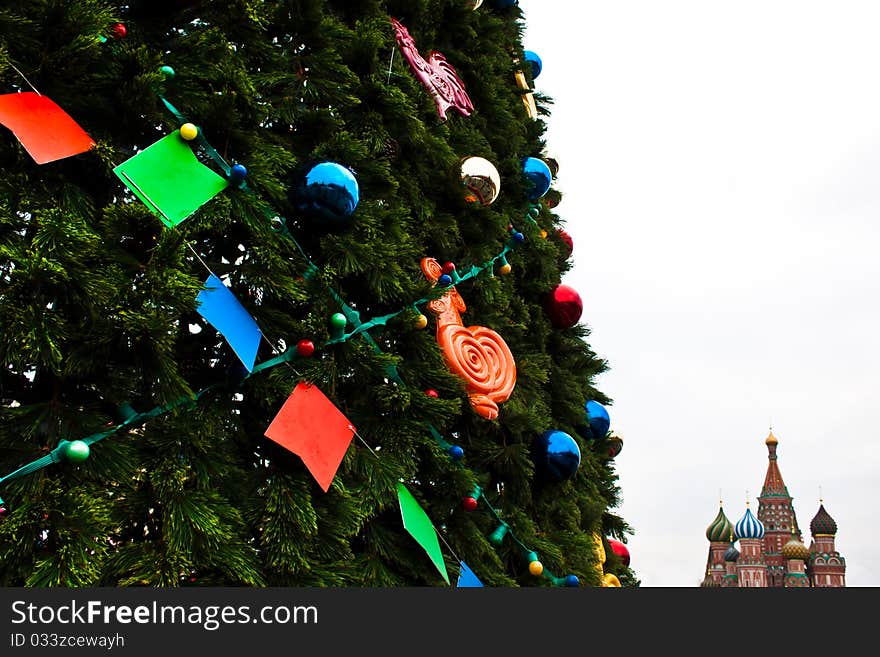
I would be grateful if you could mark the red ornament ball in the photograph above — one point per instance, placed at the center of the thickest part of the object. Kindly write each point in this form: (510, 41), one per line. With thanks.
(305, 348)
(119, 31)
(564, 306)
(566, 239)
(469, 504)
(620, 550)
(448, 268)
(431, 393)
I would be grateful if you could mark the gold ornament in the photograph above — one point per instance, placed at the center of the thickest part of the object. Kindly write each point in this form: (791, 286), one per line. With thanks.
(481, 179)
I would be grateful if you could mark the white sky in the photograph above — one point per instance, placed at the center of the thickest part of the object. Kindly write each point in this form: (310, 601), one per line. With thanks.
(721, 170)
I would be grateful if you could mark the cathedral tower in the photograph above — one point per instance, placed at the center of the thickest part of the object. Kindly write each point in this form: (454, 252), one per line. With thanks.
(751, 570)
(776, 513)
(826, 567)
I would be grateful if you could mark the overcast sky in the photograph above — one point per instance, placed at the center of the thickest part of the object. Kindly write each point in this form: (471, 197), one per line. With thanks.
(721, 170)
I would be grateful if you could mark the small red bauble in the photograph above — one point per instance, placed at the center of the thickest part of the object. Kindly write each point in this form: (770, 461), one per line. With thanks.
(431, 393)
(620, 550)
(119, 31)
(564, 306)
(469, 504)
(448, 268)
(566, 238)
(305, 348)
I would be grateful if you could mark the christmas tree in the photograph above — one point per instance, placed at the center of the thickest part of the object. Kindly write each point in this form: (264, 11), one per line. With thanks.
(228, 357)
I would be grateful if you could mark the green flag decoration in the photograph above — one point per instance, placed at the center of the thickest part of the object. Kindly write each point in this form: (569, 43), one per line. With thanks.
(417, 523)
(170, 180)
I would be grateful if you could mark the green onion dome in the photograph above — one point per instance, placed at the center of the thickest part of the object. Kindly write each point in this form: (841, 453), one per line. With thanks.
(731, 554)
(823, 523)
(720, 529)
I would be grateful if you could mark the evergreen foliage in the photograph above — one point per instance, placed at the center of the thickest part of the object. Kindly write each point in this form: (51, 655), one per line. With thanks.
(97, 301)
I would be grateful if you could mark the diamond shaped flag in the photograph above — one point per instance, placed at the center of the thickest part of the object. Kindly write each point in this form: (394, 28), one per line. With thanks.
(310, 426)
(467, 579)
(419, 525)
(170, 180)
(218, 305)
(45, 130)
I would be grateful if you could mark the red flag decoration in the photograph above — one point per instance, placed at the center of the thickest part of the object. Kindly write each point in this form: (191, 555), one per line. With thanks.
(310, 426)
(45, 130)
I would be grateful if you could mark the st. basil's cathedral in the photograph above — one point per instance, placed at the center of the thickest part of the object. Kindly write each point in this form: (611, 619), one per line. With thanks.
(771, 550)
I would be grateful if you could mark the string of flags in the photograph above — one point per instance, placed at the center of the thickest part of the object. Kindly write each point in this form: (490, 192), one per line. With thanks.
(173, 184)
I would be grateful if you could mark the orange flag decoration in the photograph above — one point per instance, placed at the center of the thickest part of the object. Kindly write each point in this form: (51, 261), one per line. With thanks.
(310, 426)
(475, 353)
(45, 130)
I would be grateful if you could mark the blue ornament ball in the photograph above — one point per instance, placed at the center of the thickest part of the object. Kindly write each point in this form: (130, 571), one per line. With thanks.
(556, 455)
(538, 177)
(237, 174)
(535, 62)
(572, 580)
(456, 453)
(597, 418)
(330, 191)
(445, 280)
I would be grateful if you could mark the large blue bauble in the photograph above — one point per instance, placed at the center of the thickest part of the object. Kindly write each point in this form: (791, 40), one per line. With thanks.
(556, 455)
(330, 191)
(598, 419)
(538, 177)
(535, 63)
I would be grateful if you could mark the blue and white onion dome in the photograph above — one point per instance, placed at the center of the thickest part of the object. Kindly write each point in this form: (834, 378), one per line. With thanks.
(748, 526)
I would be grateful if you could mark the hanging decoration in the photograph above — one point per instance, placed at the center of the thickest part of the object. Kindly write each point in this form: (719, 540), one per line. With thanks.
(597, 419)
(528, 98)
(481, 179)
(170, 180)
(436, 74)
(563, 306)
(466, 578)
(310, 426)
(477, 354)
(45, 130)
(566, 239)
(620, 550)
(556, 456)
(417, 523)
(534, 62)
(609, 580)
(613, 445)
(218, 305)
(330, 191)
(538, 177)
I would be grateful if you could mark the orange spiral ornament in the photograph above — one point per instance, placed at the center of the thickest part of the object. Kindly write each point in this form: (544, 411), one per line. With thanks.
(475, 353)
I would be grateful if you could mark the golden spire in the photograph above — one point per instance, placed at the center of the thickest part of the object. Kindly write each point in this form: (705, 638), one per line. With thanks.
(771, 439)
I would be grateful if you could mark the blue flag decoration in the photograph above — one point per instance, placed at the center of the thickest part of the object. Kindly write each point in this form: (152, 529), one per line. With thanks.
(467, 579)
(220, 307)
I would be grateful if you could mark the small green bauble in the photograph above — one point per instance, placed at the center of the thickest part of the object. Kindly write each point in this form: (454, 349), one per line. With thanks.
(167, 71)
(76, 451)
(338, 321)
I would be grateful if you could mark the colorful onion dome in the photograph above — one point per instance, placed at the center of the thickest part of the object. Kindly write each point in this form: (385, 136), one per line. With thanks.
(771, 439)
(708, 582)
(720, 528)
(794, 549)
(748, 526)
(731, 554)
(823, 523)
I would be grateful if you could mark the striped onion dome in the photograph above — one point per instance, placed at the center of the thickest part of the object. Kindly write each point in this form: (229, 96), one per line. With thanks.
(720, 528)
(794, 549)
(731, 554)
(748, 526)
(823, 523)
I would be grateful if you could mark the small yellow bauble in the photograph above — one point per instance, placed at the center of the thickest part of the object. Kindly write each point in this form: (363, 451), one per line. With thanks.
(543, 234)
(536, 568)
(188, 131)
(505, 269)
(421, 322)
